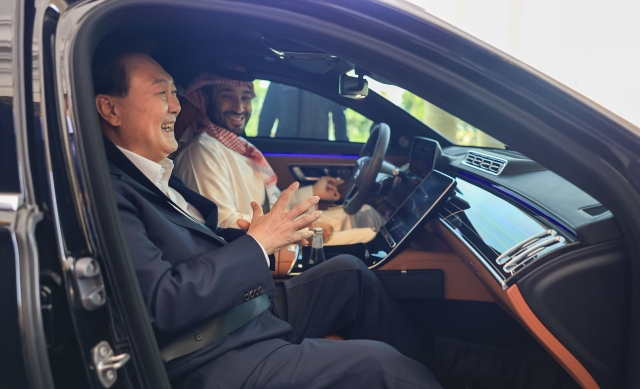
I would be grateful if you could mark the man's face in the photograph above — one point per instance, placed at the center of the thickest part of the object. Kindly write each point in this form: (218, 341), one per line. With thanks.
(148, 113)
(231, 107)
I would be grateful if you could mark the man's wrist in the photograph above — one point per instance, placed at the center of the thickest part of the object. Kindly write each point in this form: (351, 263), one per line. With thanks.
(266, 256)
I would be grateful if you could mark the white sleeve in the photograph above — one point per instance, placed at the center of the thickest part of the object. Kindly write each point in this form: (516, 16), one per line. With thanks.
(207, 173)
(301, 195)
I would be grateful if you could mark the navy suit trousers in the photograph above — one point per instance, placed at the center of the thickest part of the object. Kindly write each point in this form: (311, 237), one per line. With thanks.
(341, 297)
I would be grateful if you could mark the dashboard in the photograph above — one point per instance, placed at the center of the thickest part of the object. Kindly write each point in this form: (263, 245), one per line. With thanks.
(511, 213)
(549, 253)
(504, 237)
(545, 251)
(514, 215)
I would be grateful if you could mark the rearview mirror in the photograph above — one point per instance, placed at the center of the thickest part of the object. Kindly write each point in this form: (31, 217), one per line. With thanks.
(353, 87)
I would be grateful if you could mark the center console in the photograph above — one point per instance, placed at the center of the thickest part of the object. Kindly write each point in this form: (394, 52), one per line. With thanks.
(432, 188)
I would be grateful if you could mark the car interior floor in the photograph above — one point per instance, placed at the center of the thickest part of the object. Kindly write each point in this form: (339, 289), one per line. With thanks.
(477, 345)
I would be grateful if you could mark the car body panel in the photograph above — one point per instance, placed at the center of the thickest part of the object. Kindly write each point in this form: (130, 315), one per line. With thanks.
(574, 137)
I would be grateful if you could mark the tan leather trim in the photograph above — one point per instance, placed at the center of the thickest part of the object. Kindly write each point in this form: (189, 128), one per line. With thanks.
(459, 282)
(469, 259)
(284, 258)
(513, 302)
(274, 273)
(466, 278)
(546, 338)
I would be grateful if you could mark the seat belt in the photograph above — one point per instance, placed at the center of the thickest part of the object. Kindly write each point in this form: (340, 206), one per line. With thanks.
(265, 206)
(209, 332)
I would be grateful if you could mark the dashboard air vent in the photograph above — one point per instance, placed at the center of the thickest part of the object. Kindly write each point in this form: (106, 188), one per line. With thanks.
(487, 163)
(594, 210)
(529, 249)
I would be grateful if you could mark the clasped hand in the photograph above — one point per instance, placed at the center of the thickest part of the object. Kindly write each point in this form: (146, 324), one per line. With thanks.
(280, 227)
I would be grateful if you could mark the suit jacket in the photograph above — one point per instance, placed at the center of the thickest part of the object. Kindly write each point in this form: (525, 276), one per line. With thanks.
(189, 272)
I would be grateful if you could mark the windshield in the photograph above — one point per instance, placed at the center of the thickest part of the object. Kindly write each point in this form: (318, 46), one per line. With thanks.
(454, 129)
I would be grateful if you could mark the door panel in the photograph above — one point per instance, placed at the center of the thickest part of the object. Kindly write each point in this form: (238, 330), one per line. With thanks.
(307, 170)
(286, 154)
(310, 147)
(310, 173)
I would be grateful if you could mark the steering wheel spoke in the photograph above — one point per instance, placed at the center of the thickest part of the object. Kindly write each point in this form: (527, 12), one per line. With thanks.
(351, 190)
(367, 168)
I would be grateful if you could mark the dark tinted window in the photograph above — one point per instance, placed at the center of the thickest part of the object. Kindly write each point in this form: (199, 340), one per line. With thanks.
(283, 111)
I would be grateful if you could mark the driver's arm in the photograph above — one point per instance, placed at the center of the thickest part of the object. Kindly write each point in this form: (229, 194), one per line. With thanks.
(327, 188)
(301, 195)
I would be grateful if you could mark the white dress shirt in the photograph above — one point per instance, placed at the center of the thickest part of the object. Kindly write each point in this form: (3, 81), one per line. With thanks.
(159, 174)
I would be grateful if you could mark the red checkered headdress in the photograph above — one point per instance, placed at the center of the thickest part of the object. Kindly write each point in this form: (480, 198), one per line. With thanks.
(197, 96)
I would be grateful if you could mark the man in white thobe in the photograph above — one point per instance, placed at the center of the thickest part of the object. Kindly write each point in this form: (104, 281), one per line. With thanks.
(221, 165)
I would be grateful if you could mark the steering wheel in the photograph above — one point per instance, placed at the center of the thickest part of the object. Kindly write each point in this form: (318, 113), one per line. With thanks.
(367, 168)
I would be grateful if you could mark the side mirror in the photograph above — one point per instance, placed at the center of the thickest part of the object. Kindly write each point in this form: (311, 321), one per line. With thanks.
(353, 87)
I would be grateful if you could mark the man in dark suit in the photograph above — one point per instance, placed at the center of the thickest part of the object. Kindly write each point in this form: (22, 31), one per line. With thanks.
(208, 290)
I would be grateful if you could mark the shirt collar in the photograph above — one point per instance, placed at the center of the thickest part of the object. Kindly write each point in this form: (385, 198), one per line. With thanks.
(158, 173)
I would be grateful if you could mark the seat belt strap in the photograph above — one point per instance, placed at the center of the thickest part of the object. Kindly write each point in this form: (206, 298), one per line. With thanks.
(209, 332)
(265, 206)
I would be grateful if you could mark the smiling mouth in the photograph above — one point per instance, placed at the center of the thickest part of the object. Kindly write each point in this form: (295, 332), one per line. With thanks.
(168, 127)
(236, 118)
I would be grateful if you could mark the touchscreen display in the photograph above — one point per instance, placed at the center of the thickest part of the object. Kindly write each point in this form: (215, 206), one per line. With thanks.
(424, 153)
(424, 197)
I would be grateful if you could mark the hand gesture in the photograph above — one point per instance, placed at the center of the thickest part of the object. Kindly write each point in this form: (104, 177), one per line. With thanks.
(280, 227)
(327, 188)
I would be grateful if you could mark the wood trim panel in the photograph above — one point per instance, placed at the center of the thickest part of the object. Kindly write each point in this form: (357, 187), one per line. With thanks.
(548, 341)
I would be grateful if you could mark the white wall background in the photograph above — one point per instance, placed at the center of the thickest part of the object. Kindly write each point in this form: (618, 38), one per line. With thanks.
(591, 46)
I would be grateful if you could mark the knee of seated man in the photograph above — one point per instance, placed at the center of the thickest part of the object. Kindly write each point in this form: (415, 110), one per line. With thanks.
(375, 355)
(344, 267)
(347, 261)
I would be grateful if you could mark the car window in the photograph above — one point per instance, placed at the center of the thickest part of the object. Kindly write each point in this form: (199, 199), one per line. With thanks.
(449, 126)
(283, 111)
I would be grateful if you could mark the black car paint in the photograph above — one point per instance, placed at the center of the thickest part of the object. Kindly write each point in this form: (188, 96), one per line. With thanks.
(562, 128)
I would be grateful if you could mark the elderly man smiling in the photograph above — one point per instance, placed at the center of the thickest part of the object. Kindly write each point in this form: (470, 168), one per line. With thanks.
(218, 317)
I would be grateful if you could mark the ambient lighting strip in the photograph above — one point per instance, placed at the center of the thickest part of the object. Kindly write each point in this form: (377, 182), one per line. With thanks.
(549, 341)
(294, 155)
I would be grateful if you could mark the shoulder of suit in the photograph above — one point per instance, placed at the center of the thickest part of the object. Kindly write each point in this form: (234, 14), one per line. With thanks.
(121, 187)
(120, 180)
(115, 171)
